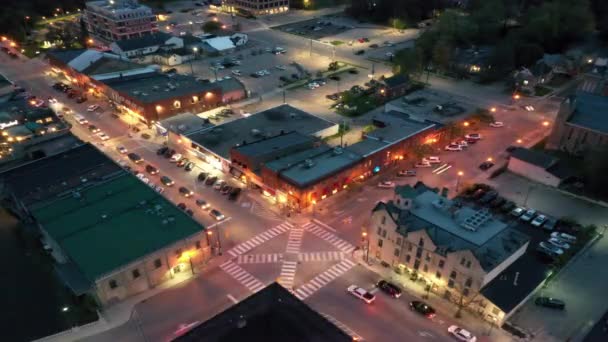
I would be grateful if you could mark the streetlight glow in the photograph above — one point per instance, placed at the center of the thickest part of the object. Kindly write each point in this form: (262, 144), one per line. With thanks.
(545, 123)
(460, 173)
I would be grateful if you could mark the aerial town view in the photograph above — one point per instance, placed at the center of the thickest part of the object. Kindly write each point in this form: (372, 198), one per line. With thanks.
(304, 170)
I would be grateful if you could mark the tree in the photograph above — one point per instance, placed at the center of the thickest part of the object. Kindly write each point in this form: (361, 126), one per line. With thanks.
(398, 24)
(408, 61)
(596, 169)
(442, 53)
(211, 26)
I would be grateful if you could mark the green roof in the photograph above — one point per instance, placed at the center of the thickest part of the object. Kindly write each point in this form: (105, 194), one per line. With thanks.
(112, 224)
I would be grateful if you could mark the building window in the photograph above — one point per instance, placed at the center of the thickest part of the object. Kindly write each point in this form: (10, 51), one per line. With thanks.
(462, 261)
(178, 252)
(396, 252)
(418, 253)
(425, 268)
(441, 263)
(416, 264)
(468, 264)
(158, 263)
(428, 256)
(438, 275)
(379, 231)
(465, 292)
(410, 246)
(177, 104)
(421, 242)
(451, 283)
(398, 242)
(468, 282)
(453, 275)
(383, 220)
(113, 284)
(380, 243)
(197, 245)
(384, 233)
(408, 258)
(135, 273)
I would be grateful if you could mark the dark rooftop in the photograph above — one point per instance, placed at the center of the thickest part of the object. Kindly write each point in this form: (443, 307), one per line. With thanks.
(395, 126)
(46, 178)
(514, 284)
(220, 139)
(396, 80)
(537, 158)
(271, 145)
(157, 38)
(272, 315)
(65, 55)
(106, 65)
(590, 112)
(366, 147)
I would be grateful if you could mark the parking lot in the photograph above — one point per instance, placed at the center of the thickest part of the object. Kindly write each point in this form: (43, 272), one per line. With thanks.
(321, 27)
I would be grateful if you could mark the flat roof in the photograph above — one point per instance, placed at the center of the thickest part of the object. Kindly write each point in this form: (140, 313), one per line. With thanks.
(273, 144)
(310, 166)
(155, 87)
(589, 112)
(273, 314)
(111, 224)
(366, 147)
(533, 157)
(185, 123)
(106, 65)
(271, 122)
(398, 127)
(46, 178)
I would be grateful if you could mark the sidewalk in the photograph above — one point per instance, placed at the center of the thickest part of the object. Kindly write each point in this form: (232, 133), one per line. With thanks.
(119, 314)
(483, 330)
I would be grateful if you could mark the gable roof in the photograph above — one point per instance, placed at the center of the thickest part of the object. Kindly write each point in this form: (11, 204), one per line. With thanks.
(590, 112)
(157, 38)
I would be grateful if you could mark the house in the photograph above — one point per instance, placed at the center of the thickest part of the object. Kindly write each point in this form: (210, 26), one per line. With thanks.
(538, 166)
(219, 45)
(558, 64)
(472, 61)
(394, 86)
(146, 45)
(174, 57)
(455, 249)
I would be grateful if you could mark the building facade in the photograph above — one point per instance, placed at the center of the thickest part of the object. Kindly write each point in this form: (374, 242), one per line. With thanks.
(114, 20)
(429, 237)
(256, 7)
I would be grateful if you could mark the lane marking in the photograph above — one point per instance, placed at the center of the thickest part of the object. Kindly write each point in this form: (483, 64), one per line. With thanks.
(323, 225)
(232, 299)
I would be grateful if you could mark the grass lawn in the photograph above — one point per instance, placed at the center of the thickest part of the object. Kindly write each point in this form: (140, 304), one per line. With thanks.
(362, 105)
(336, 42)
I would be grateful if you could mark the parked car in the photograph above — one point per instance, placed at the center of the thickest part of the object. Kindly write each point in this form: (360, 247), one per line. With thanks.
(497, 202)
(182, 206)
(386, 184)
(359, 52)
(475, 136)
(121, 149)
(453, 147)
(539, 220)
(507, 207)
(550, 224)
(361, 293)
(234, 194)
(182, 162)
(175, 158)
(422, 308)
(166, 181)
(550, 302)
(528, 215)
(559, 243)
(102, 136)
(517, 212)
(134, 157)
(211, 180)
(185, 191)
(216, 214)
(189, 166)
(151, 169)
(497, 124)
(461, 334)
(486, 165)
(488, 197)
(423, 164)
(201, 203)
(390, 288)
(432, 159)
(202, 176)
(161, 151)
(563, 236)
(226, 190)
(406, 173)
(92, 108)
(169, 153)
(550, 248)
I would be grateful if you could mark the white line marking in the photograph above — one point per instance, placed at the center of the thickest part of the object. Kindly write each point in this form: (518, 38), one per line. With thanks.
(323, 225)
(232, 299)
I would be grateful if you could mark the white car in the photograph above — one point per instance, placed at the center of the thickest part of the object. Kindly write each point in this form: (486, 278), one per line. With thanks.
(390, 54)
(564, 237)
(103, 136)
(281, 67)
(529, 108)
(551, 248)
(461, 143)
(175, 158)
(52, 100)
(475, 136)
(81, 120)
(431, 160)
(236, 72)
(121, 149)
(361, 294)
(423, 164)
(528, 215)
(559, 243)
(539, 220)
(265, 72)
(461, 334)
(517, 212)
(453, 147)
(92, 108)
(386, 184)
(497, 124)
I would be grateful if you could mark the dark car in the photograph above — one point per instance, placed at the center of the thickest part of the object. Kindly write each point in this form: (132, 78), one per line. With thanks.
(151, 169)
(478, 194)
(211, 180)
(333, 97)
(391, 289)
(202, 176)
(550, 303)
(185, 191)
(226, 190)
(81, 99)
(234, 194)
(189, 166)
(334, 77)
(182, 162)
(497, 202)
(162, 150)
(166, 181)
(486, 165)
(470, 140)
(190, 212)
(507, 207)
(134, 157)
(169, 153)
(182, 206)
(488, 197)
(422, 308)
(359, 52)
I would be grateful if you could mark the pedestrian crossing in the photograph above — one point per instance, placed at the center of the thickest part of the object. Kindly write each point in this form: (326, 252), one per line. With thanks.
(321, 256)
(288, 273)
(329, 237)
(343, 326)
(323, 279)
(259, 239)
(242, 276)
(260, 258)
(295, 240)
(264, 211)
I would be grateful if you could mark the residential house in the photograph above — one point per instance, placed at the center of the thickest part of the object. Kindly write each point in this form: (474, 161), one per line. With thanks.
(538, 166)
(394, 86)
(146, 45)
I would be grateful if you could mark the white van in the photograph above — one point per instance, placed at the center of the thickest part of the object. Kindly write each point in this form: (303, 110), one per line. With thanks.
(564, 237)
(80, 119)
(432, 160)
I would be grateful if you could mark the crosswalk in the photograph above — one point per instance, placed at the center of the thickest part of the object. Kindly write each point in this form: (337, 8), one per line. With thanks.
(259, 239)
(295, 240)
(288, 273)
(264, 211)
(321, 256)
(343, 326)
(324, 278)
(335, 241)
(260, 258)
(242, 276)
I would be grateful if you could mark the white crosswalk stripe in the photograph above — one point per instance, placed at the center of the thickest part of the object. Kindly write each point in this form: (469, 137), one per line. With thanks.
(259, 239)
(242, 276)
(324, 278)
(343, 326)
(260, 258)
(295, 240)
(335, 241)
(288, 273)
(321, 256)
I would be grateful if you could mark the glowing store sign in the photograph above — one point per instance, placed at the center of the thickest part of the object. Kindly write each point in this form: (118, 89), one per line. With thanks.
(4, 125)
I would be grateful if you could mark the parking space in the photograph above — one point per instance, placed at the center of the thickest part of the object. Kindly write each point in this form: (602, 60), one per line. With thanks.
(318, 28)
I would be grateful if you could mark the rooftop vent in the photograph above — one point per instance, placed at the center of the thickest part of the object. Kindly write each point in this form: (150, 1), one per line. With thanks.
(182, 128)
(308, 163)
(475, 221)
(293, 115)
(338, 151)
(256, 132)
(136, 92)
(104, 216)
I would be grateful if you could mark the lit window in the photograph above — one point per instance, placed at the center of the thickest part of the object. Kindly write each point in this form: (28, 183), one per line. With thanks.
(177, 104)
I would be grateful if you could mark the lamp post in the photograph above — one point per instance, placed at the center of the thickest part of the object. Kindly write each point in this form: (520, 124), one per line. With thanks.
(219, 241)
(460, 174)
(365, 241)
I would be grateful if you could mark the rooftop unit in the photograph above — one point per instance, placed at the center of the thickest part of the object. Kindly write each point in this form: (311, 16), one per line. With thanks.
(475, 221)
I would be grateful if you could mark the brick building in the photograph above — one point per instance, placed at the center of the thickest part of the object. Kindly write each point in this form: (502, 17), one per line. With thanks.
(256, 7)
(114, 20)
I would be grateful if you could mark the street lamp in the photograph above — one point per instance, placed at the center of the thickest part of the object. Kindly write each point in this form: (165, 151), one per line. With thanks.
(365, 239)
(219, 241)
(489, 159)
(460, 174)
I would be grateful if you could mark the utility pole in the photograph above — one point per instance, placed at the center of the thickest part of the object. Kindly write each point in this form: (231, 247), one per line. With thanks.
(219, 241)
(310, 51)
(333, 54)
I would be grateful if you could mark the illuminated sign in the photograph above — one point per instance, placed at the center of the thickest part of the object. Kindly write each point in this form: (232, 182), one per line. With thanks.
(4, 125)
